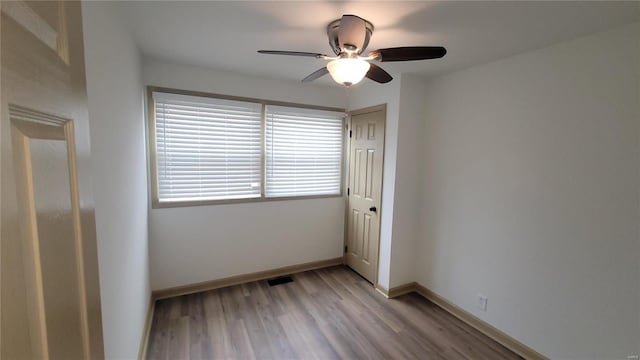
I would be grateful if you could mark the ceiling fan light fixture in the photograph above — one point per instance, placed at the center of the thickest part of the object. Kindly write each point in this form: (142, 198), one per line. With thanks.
(348, 71)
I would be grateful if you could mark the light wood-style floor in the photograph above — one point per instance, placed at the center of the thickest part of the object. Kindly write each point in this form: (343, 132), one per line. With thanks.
(329, 313)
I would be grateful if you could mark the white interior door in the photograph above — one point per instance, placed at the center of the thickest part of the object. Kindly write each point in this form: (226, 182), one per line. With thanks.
(50, 300)
(366, 153)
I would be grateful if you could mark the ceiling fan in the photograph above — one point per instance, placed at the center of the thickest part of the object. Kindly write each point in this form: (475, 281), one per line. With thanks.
(349, 37)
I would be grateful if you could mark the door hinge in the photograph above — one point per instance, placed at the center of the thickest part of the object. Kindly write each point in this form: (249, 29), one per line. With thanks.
(345, 249)
(347, 191)
(350, 133)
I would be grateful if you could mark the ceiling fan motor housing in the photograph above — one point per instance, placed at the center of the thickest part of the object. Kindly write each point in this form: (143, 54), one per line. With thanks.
(333, 30)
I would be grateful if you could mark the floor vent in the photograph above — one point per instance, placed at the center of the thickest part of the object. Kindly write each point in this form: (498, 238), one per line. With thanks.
(280, 280)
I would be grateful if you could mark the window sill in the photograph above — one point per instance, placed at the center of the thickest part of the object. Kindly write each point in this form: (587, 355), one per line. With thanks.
(176, 204)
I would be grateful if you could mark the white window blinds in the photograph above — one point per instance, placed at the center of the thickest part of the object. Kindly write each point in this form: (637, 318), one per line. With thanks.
(303, 152)
(207, 148)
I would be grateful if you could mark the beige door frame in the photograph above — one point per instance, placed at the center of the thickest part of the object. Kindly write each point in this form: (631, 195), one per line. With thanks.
(346, 154)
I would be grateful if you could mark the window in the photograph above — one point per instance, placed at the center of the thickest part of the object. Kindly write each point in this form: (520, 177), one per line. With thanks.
(304, 152)
(207, 149)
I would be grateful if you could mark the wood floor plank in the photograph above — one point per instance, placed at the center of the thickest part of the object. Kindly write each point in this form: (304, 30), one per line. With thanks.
(258, 334)
(329, 313)
(179, 342)
(200, 346)
(242, 348)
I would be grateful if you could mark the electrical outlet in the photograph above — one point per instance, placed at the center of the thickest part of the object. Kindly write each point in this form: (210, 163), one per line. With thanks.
(482, 302)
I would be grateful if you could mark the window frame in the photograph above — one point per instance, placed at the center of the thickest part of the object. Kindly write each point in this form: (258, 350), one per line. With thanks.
(153, 158)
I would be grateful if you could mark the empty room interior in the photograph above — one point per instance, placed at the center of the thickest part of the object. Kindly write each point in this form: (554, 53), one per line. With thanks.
(320, 180)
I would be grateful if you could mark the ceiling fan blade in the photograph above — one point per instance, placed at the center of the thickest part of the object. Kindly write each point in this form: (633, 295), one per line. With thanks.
(292, 53)
(377, 74)
(352, 33)
(316, 74)
(408, 53)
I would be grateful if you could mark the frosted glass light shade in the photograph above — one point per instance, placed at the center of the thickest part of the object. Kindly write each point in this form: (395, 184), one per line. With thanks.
(348, 71)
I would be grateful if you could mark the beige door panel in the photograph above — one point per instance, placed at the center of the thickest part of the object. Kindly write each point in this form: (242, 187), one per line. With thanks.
(365, 192)
(50, 300)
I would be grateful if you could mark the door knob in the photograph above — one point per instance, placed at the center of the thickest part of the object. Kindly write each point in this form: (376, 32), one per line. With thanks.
(373, 209)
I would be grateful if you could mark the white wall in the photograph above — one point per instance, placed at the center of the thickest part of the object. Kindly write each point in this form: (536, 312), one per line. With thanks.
(407, 201)
(114, 85)
(530, 195)
(201, 243)
(401, 180)
(368, 94)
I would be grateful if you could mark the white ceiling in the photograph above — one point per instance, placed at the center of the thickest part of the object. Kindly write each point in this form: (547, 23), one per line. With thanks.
(225, 35)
